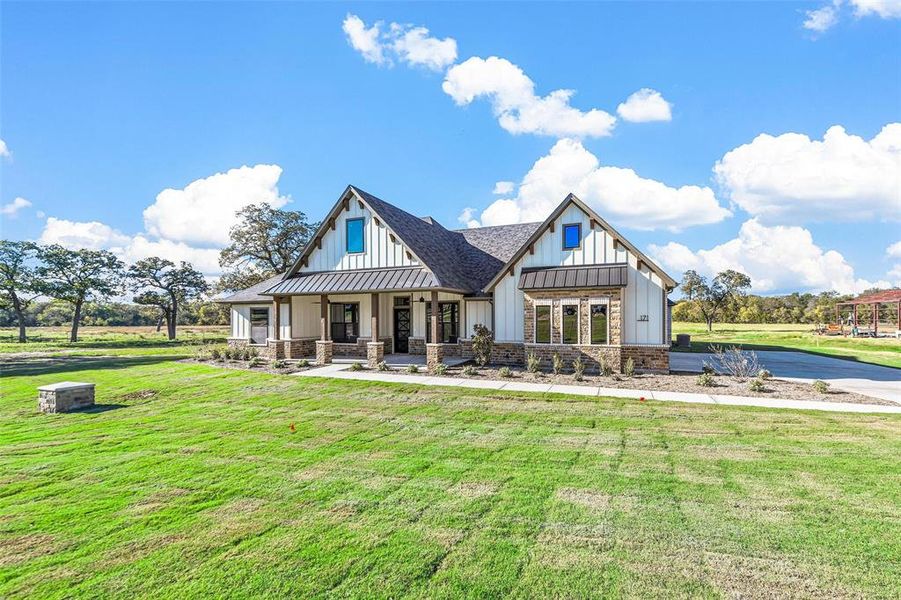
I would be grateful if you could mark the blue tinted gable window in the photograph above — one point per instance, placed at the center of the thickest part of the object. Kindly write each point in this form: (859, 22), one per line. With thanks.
(355, 236)
(572, 236)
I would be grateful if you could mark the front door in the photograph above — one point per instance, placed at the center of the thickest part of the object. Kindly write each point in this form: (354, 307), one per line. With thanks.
(401, 330)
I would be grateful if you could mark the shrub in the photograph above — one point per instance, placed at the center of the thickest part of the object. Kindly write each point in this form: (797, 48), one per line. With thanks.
(440, 369)
(356, 367)
(706, 380)
(764, 374)
(533, 363)
(303, 363)
(228, 352)
(412, 368)
(629, 367)
(821, 386)
(578, 369)
(383, 366)
(604, 366)
(470, 370)
(215, 353)
(279, 364)
(255, 362)
(482, 344)
(708, 368)
(740, 365)
(757, 385)
(252, 353)
(557, 363)
(505, 372)
(201, 354)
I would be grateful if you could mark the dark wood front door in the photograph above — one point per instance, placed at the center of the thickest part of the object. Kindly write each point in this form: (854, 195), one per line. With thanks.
(401, 330)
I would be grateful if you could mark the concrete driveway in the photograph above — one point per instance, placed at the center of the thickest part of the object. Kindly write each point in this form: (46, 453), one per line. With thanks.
(862, 378)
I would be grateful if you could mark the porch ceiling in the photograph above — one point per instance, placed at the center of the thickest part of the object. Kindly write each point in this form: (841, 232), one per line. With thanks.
(360, 281)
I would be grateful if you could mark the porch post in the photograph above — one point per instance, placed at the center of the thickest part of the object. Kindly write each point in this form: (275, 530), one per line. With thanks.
(276, 310)
(374, 305)
(375, 350)
(323, 317)
(324, 346)
(433, 325)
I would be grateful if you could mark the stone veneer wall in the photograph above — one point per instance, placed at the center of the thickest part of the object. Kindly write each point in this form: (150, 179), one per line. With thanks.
(359, 349)
(653, 359)
(416, 345)
(503, 353)
(614, 316)
(591, 355)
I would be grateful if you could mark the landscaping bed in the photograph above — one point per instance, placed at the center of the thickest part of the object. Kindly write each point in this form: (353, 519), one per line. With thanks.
(259, 365)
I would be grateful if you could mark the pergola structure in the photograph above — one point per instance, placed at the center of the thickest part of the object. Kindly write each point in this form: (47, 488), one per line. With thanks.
(874, 301)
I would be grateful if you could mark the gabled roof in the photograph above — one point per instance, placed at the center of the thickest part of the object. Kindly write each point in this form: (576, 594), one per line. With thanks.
(539, 231)
(253, 293)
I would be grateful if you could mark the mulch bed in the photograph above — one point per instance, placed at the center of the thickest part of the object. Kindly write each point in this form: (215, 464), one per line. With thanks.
(264, 367)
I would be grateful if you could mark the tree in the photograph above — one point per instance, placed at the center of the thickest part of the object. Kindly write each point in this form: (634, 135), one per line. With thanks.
(266, 241)
(170, 286)
(717, 296)
(78, 275)
(17, 279)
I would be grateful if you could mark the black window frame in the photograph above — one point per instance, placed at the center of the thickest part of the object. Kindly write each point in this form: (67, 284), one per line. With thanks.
(550, 322)
(251, 318)
(339, 329)
(578, 227)
(606, 307)
(446, 337)
(347, 223)
(563, 317)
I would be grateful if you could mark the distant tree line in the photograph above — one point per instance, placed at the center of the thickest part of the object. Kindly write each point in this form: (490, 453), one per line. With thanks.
(58, 313)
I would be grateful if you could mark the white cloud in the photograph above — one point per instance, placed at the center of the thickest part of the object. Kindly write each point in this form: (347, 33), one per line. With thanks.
(4, 150)
(12, 208)
(204, 211)
(513, 100)
(502, 188)
(791, 176)
(828, 15)
(776, 258)
(40, 214)
(886, 9)
(618, 194)
(645, 105)
(894, 251)
(92, 235)
(467, 217)
(405, 43)
(821, 19)
(205, 260)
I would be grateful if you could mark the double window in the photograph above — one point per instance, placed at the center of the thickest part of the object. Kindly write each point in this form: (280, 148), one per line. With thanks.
(354, 234)
(345, 322)
(448, 322)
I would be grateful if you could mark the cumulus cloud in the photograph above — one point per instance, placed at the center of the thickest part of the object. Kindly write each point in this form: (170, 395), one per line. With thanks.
(645, 105)
(204, 210)
(92, 235)
(886, 9)
(828, 15)
(4, 150)
(618, 194)
(501, 188)
(11, 209)
(776, 258)
(405, 43)
(841, 176)
(467, 217)
(821, 19)
(514, 102)
(894, 251)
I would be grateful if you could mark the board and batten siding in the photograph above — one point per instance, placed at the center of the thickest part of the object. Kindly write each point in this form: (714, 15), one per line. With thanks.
(240, 320)
(477, 312)
(378, 249)
(643, 296)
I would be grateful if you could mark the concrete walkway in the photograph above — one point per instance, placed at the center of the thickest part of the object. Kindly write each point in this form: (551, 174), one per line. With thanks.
(340, 371)
(861, 378)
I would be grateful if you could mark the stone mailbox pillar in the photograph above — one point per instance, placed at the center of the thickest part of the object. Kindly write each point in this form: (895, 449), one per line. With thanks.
(65, 396)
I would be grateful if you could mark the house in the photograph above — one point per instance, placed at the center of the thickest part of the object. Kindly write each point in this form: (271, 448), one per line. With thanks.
(376, 280)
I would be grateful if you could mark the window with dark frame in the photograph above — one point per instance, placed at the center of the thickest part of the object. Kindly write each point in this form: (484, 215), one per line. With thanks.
(543, 324)
(570, 323)
(354, 230)
(599, 323)
(259, 325)
(572, 236)
(345, 322)
(448, 322)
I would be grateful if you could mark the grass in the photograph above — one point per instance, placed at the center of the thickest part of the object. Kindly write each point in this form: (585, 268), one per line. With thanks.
(878, 351)
(188, 480)
(110, 341)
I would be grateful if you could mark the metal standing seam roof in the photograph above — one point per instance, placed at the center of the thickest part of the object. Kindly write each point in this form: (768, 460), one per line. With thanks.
(372, 280)
(562, 278)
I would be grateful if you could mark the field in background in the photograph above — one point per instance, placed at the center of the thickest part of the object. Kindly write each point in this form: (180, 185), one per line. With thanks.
(111, 340)
(878, 351)
(187, 480)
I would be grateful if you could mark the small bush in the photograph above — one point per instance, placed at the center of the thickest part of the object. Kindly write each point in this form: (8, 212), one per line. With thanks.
(821, 386)
(383, 366)
(764, 374)
(279, 364)
(201, 354)
(578, 369)
(505, 372)
(412, 368)
(604, 366)
(228, 352)
(255, 362)
(303, 363)
(215, 353)
(533, 363)
(557, 363)
(244, 353)
(470, 370)
(706, 380)
(737, 363)
(629, 367)
(757, 385)
(708, 369)
(252, 353)
(482, 344)
(356, 367)
(440, 369)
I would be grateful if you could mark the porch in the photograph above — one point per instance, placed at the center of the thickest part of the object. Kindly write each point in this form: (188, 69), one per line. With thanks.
(404, 360)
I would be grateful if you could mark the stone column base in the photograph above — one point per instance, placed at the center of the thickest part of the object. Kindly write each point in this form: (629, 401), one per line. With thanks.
(375, 353)
(275, 349)
(324, 351)
(434, 355)
(64, 397)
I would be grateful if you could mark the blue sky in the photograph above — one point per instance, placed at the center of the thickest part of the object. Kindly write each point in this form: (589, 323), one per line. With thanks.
(105, 106)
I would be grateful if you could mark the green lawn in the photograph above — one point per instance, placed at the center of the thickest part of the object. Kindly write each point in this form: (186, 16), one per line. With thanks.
(880, 351)
(110, 341)
(187, 481)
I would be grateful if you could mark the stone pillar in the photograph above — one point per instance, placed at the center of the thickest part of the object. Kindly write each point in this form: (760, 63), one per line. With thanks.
(375, 353)
(434, 355)
(323, 318)
(324, 351)
(433, 325)
(65, 396)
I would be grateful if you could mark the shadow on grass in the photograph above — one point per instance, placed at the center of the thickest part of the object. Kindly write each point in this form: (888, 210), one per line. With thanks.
(100, 408)
(16, 367)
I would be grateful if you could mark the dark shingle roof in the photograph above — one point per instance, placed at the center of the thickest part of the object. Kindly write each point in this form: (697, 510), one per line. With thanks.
(252, 294)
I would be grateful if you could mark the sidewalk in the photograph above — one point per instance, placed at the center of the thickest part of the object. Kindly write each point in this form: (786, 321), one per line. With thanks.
(340, 371)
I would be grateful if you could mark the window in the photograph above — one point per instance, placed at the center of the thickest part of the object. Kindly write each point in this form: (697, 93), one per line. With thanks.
(259, 325)
(345, 322)
(572, 236)
(543, 324)
(599, 323)
(355, 235)
(570, 323)
(448, 322)
(401, 301)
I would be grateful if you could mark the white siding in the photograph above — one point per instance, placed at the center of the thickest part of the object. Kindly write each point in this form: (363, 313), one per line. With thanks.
(477, 312)
(379, 250)
(643, 295)
(305, 316)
